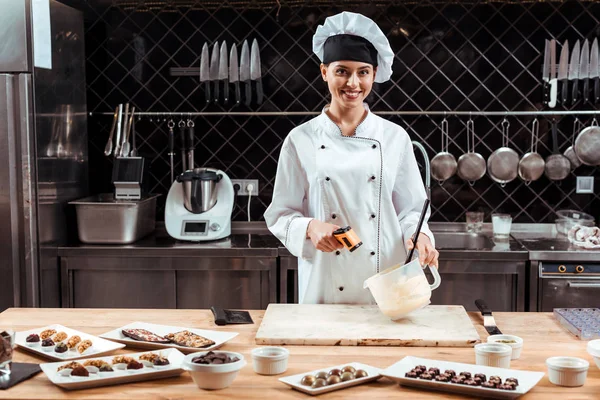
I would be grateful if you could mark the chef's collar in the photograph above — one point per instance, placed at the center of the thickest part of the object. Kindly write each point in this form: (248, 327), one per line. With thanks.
(332, 128)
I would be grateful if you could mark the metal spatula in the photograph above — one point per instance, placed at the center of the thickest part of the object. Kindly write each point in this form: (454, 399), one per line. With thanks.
(489, 323)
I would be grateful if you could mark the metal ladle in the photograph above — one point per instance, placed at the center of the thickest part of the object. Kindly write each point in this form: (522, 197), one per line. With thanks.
(531, 166)
(503, 164)
(443, 164)
(471, 166)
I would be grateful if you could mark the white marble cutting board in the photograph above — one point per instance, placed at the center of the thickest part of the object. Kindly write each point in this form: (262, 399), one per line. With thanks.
(365, 325)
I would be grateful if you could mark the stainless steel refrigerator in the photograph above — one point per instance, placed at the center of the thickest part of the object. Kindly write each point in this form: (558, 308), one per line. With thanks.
(43, 146)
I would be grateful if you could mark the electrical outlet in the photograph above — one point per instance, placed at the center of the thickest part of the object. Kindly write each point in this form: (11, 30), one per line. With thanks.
(585, 185)
(244, 184)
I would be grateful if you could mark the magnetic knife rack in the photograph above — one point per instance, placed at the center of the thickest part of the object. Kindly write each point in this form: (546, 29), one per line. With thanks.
(308, 113)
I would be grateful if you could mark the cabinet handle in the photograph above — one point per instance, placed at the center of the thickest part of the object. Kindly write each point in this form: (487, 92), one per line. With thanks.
(584, 284)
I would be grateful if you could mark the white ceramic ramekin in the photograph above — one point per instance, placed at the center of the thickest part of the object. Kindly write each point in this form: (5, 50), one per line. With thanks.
(516, 347)
(593, 347)
(213, 376)
(567, 371)
(493, 355)
(270, 360)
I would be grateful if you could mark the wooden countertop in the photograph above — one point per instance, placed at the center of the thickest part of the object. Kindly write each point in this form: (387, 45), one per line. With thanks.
(542, 334)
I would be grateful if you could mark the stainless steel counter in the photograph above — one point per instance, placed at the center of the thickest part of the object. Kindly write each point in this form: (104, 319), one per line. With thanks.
(544, 243)
(527, 242)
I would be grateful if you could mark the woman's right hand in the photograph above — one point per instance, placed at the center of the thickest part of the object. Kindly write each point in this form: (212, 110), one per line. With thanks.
(321, 235)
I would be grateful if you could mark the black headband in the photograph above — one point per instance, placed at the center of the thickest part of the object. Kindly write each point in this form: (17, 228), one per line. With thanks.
(350, 48)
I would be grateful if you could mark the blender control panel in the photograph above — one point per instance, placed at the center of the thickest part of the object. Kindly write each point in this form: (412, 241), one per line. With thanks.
(194, 228)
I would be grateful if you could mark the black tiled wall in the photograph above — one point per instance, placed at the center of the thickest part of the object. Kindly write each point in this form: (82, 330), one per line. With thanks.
(466, 55)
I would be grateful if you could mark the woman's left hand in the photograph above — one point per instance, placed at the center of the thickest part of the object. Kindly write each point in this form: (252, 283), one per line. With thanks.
(428, 255)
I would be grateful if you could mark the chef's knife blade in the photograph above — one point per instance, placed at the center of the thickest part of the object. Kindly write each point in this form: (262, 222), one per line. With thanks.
(255, 73)
(594, 70)
(488, 319)
(214, 70)
(563, 67)
(546, 73)
(245, 72)
(204, 74)
(234, 72)
(584, 69)
(223, 72)
(574, 72)
(553, 81)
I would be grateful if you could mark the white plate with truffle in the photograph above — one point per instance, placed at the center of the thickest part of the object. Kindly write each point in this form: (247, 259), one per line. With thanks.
(58, 342)
(321, 381)
(114, 370)
(154, 336)
(495, 385)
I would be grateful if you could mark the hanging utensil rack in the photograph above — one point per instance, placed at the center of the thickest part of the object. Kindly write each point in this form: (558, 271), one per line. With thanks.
(309, 113)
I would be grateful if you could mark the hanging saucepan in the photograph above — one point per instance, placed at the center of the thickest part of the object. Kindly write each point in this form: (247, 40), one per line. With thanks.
(471, 165)
(587, 145)
(443, 164)
(531, 166)
(557, 165)
(503, 164)
(570, 151)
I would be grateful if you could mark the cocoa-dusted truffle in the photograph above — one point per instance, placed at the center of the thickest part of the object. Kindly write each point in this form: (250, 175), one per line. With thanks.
(480, 376)
(427, 376)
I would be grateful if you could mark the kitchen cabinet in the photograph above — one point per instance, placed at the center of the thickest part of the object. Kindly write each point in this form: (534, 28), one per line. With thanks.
(500, 282)
(168, 282)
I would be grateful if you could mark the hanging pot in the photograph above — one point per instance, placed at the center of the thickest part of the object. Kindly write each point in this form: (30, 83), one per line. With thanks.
(570, 151)
(503, 164)
(471, 166)
(443, 164)
(531, 166)
(557, 165)
(587, 145)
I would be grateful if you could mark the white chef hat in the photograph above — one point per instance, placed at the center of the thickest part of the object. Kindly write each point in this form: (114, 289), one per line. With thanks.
(354, 37)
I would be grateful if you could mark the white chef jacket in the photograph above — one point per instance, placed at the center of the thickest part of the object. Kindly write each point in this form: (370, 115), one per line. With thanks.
(369, 181)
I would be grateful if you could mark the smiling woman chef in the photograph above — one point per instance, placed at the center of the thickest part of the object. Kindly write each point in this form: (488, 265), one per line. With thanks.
(348, 167)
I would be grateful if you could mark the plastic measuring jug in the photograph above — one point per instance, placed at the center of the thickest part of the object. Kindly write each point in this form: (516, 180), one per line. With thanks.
(402, 289)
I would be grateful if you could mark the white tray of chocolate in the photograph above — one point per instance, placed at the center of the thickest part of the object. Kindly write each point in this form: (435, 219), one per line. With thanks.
(58, 342)
(153, 336)
(469, 379)
(114, 370)
(333, 378)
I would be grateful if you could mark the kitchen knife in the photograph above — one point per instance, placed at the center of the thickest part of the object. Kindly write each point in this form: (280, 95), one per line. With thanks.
(563, 67)
(255, 73)
(594, 76)
(204, 74)
(488, 319)
(574, 72)
(584, 69)
(245, 72)
(214, 70)
(234, 72)
(223, 72)
(546, 73)
(553, 80)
